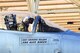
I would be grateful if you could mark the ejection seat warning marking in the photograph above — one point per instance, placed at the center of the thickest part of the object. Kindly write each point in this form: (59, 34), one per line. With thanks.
(33, 41)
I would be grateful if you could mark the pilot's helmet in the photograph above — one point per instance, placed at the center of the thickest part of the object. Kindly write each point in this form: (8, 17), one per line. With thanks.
(28, 19)
(25, 19)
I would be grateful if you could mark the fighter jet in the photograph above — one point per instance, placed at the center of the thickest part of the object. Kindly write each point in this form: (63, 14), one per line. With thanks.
(46, 37)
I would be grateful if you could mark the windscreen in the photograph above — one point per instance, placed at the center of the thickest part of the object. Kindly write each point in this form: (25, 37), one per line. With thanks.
(47, 26)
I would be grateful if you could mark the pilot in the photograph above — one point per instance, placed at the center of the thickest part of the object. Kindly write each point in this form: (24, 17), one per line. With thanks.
(25, 23)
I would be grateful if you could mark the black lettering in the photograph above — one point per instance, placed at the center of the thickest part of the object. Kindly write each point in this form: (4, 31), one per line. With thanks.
(42, 42)
(25, 42)
(32, 42)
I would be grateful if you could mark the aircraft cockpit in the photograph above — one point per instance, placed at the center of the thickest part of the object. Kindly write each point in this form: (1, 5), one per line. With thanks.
(39, 24)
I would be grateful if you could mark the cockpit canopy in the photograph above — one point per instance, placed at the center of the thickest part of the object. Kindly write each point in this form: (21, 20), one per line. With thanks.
(43, 25)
